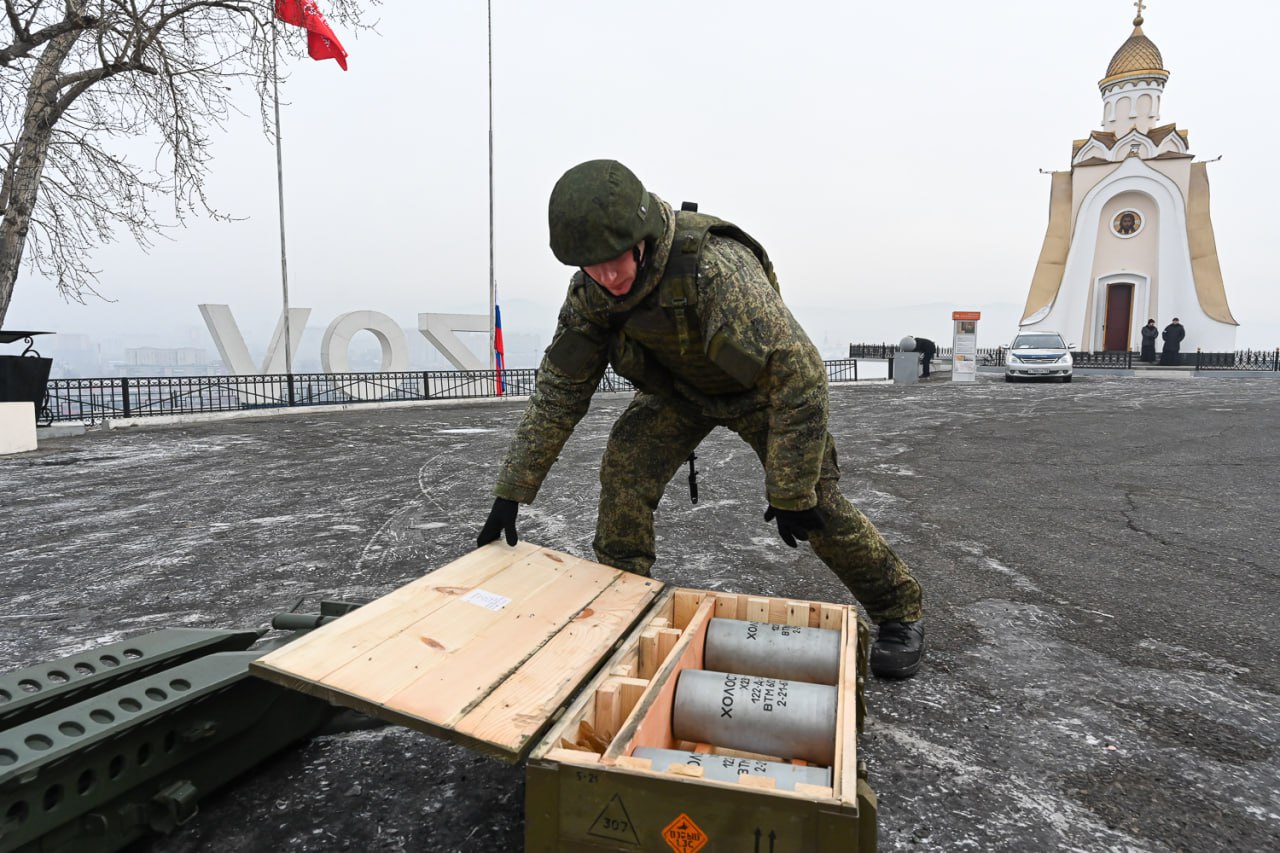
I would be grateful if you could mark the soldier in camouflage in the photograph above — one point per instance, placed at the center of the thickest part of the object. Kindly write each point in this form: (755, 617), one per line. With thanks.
(686, 306)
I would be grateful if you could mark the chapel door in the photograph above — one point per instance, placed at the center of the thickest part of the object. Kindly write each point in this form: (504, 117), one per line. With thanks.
(1119, 317)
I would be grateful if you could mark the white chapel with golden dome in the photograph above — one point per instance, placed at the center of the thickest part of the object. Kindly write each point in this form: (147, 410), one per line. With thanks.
(1129, 236)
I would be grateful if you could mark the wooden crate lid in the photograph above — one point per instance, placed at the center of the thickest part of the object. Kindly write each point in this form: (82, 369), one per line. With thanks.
(483, 651)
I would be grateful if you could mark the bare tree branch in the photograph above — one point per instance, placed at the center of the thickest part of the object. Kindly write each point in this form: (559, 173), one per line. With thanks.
(11, 12)
(27, 42)
(75, 86)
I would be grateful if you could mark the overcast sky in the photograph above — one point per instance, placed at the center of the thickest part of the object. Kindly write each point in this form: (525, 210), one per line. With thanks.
(887, 155)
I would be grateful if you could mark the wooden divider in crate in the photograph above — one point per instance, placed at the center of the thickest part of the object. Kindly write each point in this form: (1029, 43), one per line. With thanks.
(630, 703)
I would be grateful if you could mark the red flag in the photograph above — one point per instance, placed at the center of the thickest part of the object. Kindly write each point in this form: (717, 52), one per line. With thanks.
(321, 42)
(500, 355)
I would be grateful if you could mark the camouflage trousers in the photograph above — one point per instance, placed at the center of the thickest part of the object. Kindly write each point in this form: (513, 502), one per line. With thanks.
(647, 446)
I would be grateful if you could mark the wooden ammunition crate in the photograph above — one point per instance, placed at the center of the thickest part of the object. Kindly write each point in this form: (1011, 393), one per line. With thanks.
(527, 653)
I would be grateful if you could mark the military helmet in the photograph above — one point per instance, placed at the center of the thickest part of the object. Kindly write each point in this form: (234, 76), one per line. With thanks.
(598, 210)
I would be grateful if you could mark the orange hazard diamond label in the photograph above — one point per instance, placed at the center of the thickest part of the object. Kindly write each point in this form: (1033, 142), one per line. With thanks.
(684, 835)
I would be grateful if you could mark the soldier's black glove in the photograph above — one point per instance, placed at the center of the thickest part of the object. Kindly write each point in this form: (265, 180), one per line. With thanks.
(501, 518)
(795, 524)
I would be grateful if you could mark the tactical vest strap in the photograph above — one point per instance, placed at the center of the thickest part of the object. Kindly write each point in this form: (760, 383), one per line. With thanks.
(678, 292)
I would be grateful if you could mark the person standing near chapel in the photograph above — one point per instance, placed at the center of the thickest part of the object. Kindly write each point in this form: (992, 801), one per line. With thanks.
(1173, 335)
(686, 307)
(1149, 335)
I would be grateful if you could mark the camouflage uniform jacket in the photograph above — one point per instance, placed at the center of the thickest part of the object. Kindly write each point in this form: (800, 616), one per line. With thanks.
(744, 355)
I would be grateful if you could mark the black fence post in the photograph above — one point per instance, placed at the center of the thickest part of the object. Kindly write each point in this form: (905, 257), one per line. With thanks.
(891, 369)
(426, 385)
(292, 402)
(124, 393)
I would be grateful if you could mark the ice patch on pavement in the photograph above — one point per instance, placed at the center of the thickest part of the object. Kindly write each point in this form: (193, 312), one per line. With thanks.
(978, 551)
(1137, 708)
(1020, 581)
(1066, 818)
(1181, 654)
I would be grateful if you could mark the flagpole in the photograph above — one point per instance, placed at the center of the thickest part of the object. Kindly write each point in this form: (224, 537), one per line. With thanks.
(284, 265)
(493, 281)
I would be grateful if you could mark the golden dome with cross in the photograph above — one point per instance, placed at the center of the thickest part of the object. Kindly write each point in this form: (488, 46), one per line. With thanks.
(1137, 55)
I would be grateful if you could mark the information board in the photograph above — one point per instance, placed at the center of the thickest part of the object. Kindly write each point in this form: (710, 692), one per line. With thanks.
(964, 346)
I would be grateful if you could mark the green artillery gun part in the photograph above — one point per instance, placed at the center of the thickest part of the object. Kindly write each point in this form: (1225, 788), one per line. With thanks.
(101, 748)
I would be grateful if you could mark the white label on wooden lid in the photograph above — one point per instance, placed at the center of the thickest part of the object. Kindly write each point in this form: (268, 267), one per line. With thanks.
(487, 600)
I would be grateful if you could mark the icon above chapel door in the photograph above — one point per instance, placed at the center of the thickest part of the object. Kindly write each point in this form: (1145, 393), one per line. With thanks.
(1127, 223)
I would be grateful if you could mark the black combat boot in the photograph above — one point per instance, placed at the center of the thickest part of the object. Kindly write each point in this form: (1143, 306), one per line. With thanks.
(898, 648)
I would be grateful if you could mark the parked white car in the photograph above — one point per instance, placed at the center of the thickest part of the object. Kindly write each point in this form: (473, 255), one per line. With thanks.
(1038, 355)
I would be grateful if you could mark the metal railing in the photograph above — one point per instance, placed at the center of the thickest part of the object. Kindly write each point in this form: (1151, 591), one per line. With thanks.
(842, 370)
(1239, 360)
(94, 400)
(941, 355)
(1255, 360)
(1113, 359)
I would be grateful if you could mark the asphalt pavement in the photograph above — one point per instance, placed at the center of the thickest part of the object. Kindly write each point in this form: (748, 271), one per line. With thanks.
(1100, 564)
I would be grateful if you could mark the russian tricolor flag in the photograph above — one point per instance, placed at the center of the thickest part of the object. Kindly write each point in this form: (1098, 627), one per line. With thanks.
(500, 357)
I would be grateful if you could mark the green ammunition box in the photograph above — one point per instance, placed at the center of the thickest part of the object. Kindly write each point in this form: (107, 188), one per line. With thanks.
(584, 790)
(526, 653)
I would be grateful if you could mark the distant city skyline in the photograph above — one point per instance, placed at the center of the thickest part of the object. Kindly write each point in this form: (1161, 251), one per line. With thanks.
(84, 356)
(75, 353)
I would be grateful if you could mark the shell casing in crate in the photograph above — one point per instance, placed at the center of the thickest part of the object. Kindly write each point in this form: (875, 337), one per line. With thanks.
(524, 652)
(727, 768)
(769, 650)
(767, 716)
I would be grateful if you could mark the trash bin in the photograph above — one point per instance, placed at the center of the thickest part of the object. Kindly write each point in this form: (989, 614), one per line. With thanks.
(906, 368)
(24, 378)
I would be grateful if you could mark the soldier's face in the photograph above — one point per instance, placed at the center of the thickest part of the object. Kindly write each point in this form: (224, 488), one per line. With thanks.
(617, 275)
